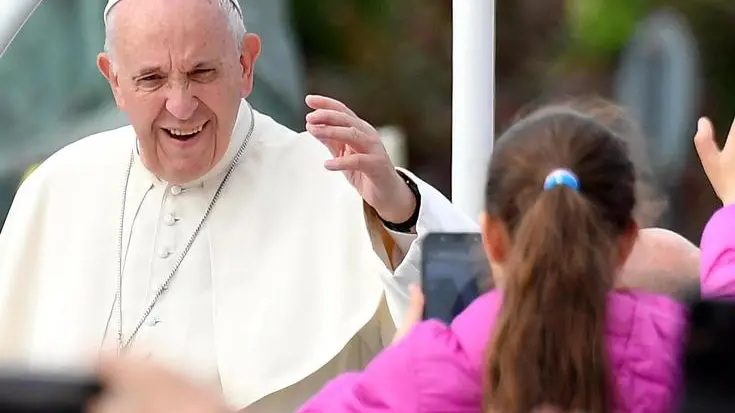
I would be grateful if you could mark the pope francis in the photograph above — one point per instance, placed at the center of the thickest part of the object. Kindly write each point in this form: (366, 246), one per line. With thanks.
(256, 259)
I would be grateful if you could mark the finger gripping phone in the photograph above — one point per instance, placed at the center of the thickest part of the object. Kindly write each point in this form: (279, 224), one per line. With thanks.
(454, 272)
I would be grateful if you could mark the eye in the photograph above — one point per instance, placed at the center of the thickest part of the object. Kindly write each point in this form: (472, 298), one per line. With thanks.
(203, 74)
(149, 80)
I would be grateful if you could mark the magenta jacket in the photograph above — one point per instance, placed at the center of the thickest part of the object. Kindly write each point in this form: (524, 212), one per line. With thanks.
(438, 368)
(717, 259)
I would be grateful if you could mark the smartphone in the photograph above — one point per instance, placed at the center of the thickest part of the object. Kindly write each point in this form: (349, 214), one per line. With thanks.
(34, 392)
(709, 359)
(454, 272)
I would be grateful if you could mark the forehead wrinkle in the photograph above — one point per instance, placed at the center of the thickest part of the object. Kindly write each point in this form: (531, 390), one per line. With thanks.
(147, 70)
(184, 44)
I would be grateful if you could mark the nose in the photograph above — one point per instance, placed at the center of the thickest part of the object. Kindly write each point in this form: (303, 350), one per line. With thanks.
(181, 102)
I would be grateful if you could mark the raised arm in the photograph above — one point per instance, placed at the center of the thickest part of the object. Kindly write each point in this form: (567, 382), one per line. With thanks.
(717, 267)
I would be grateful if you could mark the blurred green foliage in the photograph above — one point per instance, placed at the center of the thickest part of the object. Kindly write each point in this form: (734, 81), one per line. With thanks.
(599, 29)
(328, 29)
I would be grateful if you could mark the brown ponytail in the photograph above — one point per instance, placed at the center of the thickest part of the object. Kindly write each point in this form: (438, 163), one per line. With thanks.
(548, 346)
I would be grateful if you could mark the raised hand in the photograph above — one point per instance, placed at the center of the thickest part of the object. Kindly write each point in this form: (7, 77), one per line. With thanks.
(359, 153)
(719, 165)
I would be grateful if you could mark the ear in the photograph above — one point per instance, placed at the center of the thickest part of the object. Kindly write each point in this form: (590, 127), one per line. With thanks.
(626, 242)
(248, 55)
(495, 239)
(104, 64)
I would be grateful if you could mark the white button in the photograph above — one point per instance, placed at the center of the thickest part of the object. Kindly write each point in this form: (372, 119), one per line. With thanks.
(154, 321)
(169, 219)
(175, 190)
(164, 253)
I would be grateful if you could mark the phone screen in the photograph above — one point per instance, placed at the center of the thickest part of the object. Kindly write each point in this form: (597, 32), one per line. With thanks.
(709, 359)
(455, 271)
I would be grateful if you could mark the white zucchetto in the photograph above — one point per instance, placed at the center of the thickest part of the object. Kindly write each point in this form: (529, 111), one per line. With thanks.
(113, 3)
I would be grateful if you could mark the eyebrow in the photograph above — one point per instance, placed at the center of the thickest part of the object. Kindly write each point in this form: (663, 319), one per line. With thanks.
(204, 64)
(153, 69)
(146, 71)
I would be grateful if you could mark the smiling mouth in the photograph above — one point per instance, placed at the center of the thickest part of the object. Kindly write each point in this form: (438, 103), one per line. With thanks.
(184, 134)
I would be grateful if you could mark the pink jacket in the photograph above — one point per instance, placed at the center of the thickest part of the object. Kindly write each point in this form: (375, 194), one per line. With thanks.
(438, 368)
(717, 259)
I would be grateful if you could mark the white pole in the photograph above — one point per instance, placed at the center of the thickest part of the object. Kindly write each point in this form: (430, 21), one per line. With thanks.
(473, 95)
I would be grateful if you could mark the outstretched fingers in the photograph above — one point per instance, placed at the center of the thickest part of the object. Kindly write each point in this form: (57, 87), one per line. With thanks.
(345, 135)
(322, 102)
(706, 145)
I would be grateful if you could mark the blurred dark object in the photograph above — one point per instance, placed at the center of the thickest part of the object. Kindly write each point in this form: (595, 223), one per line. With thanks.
(709, 359)
(47, 393)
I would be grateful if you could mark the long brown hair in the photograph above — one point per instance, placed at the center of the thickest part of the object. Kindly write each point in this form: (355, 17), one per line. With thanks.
(548, 346)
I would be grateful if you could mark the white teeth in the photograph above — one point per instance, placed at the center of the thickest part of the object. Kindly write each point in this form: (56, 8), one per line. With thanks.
(185, 132)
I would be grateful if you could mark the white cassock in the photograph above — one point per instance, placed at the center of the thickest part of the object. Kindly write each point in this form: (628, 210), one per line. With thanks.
(289, 282)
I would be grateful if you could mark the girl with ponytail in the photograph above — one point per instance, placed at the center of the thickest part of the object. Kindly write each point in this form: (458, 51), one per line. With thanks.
(560, 199)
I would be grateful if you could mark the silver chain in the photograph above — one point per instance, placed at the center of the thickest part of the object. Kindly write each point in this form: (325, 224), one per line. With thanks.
(123, 344)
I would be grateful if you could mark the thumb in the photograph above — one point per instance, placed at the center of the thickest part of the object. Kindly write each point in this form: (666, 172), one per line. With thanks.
(415, 305)
(707, 149)
(414, 314)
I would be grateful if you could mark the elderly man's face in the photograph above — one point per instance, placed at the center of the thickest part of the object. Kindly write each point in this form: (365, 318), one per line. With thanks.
(179, 75)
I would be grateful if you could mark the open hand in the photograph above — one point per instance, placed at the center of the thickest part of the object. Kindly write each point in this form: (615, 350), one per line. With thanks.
(719, 165)
(360, 154)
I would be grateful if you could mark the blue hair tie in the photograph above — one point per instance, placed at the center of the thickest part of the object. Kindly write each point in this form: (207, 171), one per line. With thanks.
(561, 177)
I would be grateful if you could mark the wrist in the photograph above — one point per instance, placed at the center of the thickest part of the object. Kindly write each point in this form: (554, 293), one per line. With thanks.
(401, 213)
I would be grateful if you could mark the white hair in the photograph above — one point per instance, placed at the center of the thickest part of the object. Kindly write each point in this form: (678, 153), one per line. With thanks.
(235, 22)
